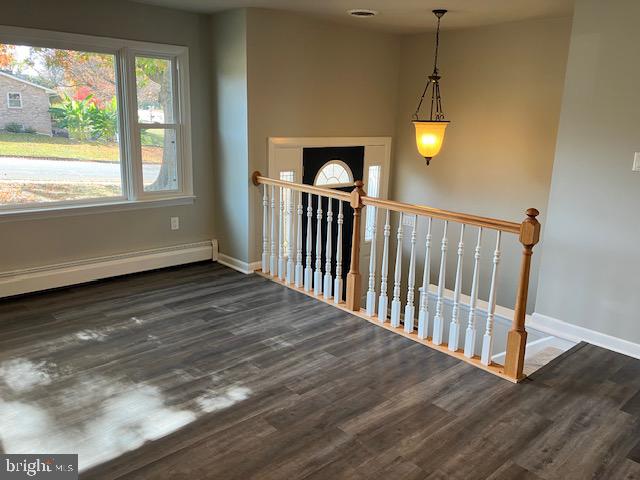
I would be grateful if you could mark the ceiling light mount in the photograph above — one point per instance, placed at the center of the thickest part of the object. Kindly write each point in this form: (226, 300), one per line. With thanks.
(439, 13)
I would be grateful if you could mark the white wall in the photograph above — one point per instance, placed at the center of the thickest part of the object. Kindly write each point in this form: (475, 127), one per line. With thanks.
(502, 88)
(590, 274)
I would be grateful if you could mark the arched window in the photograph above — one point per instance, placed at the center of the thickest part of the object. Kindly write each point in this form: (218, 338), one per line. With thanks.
(334, 173)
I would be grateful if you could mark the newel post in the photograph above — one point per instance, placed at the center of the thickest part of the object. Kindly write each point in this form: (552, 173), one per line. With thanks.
(354, 279)
(517, 339)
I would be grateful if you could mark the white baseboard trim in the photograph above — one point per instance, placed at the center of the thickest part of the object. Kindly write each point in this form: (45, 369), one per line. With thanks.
(575, 333)
(35, 279)
(535, 347)
(239, 265)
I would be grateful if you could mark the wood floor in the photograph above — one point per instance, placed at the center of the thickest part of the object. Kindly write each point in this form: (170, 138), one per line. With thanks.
(202, 372)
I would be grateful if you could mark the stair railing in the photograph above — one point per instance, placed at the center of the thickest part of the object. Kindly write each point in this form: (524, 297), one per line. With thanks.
(466, 339)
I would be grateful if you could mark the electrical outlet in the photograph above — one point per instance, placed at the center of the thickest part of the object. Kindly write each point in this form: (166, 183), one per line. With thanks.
(408, 220)
(175, 223)
(636, 162)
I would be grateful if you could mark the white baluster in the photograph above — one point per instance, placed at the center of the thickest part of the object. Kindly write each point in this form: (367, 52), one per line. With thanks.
(395, 303)
(383, 300)
(487, 340)
(265, 229)
(454, 328)
(371, 293)
(298, 272)
(423, 315)
(328, 280)
(471, 333)
(281, 252)
(317, 276)
(290, 264)
(438, 322)
(308, 272)
(273, 268)
(410, 309)
(337, 283)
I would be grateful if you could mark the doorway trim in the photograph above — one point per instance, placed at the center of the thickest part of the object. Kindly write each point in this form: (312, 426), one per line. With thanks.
(372, 146)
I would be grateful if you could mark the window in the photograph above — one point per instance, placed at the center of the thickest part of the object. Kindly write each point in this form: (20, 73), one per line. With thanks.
(108, 122)
(334, 173)
(14, 100)
(156, 109)
(373, 190)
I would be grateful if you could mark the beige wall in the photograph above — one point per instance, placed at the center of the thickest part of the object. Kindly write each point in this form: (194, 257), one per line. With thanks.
(54, 240)
(229, 82)
(310, 77)
(502, 88)
(591, 262)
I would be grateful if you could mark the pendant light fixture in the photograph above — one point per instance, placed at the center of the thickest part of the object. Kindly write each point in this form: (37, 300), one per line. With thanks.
(430, 133)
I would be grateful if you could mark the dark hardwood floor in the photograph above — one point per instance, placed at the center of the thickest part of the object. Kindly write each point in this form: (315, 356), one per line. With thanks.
(202, 372)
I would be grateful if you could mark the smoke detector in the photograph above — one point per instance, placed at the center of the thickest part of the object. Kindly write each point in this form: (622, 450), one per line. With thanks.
(362, 12)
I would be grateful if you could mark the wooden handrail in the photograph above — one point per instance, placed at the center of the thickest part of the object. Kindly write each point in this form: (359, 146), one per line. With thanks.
(485, 222)
(258, 179)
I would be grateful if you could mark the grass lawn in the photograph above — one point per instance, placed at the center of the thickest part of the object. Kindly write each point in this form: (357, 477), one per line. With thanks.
(16, 193)
(42, 146)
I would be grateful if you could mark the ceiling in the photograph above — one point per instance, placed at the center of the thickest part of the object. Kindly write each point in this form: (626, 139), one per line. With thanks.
(401, 16)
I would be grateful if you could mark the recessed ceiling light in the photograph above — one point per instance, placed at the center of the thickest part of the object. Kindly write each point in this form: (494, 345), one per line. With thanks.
(362, 12)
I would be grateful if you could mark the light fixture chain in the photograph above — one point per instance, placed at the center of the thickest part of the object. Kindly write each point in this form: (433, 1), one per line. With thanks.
(435, 60)
(436, 112)
(424, 92)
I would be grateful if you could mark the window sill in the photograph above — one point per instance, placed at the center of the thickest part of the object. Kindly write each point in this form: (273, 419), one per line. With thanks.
(90, 209)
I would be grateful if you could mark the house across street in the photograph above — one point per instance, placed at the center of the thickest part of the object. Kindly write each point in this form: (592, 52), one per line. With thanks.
(25, 103)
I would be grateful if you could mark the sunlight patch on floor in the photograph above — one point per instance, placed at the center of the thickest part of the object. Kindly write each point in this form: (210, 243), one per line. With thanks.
(97, 417)
(213, 400)
(22, 375)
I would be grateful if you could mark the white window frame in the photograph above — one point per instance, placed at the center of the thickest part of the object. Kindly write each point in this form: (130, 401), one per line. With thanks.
(9, 100)
(371, 211)
(125, 52)
(346, 168)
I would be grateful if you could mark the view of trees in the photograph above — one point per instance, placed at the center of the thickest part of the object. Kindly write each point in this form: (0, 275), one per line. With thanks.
(86, 106)
(84, 114)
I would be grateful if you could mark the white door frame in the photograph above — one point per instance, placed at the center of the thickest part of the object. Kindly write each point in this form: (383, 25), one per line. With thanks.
(285, 154)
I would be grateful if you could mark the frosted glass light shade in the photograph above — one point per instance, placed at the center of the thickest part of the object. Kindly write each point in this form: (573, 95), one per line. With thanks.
(429, 137)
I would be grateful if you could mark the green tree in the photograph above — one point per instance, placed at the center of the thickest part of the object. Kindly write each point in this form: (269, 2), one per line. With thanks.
(75, 116)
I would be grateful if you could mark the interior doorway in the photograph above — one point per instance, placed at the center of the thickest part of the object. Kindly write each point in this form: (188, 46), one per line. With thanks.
(337, 168)
(336, 163)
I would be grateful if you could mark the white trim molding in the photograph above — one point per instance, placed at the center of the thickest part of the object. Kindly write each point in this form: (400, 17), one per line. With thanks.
(537, 346)
(575, 333)
(35, 279)
(238, 265)
(110, 205)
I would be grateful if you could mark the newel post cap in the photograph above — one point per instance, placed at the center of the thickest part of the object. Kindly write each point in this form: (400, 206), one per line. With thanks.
(357, 193)
(530, 228)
